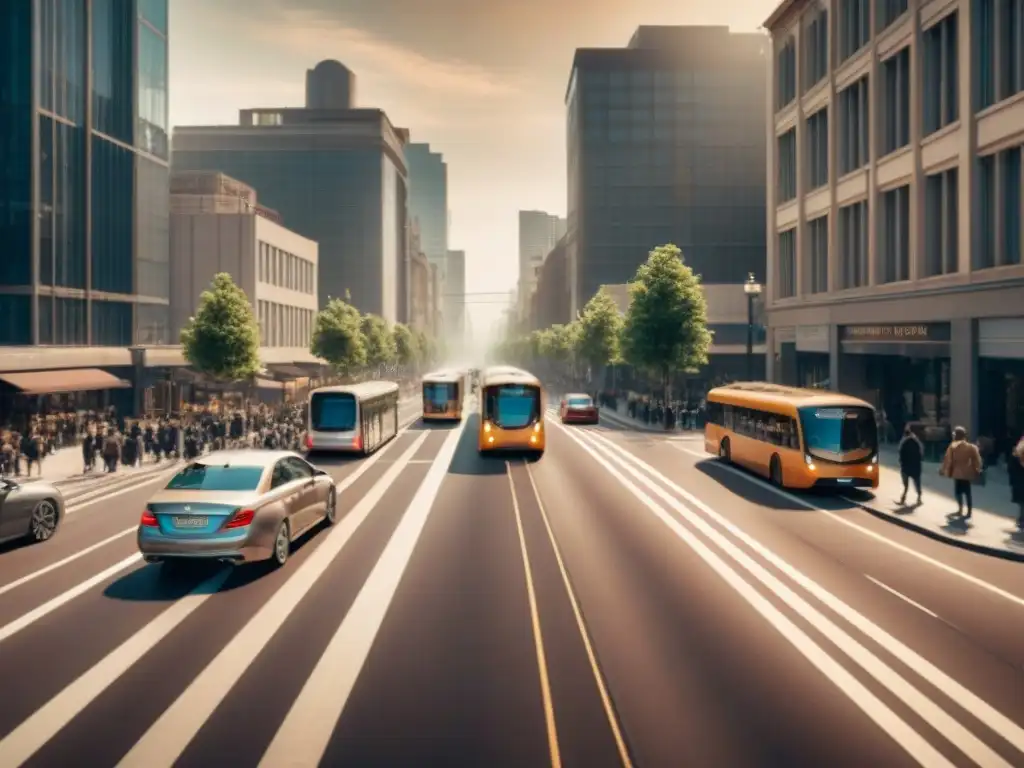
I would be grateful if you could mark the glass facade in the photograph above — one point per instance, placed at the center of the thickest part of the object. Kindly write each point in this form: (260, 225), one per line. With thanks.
(101, 208)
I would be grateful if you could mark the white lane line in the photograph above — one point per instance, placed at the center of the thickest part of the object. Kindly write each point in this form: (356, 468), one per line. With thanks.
(901, 596)
(29, 737)
(952, 571)
(170, 735)
(78, 503)
(602, 687)
(304, 735)
(69, 559)
(50, 606)
(948, 726)
(891, 723)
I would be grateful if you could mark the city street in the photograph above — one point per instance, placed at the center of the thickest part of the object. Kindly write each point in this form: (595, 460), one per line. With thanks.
(625, 600)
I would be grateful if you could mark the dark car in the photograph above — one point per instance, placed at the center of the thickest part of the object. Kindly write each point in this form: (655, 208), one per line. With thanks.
(578, 409)
(31, 511)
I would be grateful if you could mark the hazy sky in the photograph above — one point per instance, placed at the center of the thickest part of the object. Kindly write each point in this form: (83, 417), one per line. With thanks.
(483, 82)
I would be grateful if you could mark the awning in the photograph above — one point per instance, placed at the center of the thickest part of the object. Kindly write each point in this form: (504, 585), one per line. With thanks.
(57, 382)
(287, 372)
(268, 384)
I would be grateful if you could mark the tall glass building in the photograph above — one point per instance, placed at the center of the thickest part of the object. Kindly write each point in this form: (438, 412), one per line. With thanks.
(84, 196)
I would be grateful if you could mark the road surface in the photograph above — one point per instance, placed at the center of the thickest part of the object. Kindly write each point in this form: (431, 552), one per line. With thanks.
(623, 601)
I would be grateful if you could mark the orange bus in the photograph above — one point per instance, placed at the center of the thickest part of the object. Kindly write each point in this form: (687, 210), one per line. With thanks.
(512, 404)
(443, 393)
(797, 438)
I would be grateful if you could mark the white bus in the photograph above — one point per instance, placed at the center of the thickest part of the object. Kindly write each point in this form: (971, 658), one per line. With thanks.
(355, 418)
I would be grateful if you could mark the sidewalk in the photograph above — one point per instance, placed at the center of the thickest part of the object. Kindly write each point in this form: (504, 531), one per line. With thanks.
(65, 467)
(620, 417)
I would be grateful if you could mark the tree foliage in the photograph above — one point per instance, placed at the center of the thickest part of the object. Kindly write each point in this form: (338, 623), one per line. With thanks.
(599, 331)
(666, 324)
(222, 340)
(338, 337)
(380, 344)
(407, 349)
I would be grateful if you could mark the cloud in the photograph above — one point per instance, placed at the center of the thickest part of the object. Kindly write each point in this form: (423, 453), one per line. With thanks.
(311, 34)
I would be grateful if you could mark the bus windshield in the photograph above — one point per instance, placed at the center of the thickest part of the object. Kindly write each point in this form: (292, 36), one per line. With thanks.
(332, 412)
(832, 433)
(512, 406)
(439, 393)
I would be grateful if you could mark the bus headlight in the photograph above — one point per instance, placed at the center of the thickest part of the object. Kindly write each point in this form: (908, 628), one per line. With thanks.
(874, 459)
(487, 426)
(536, 427)
(809, 462)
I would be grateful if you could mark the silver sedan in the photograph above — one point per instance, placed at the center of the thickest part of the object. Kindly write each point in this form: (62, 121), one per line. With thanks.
(32, 511)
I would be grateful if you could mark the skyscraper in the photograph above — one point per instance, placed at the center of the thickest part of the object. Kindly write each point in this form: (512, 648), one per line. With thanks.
(428, 199)
(666, 145)
(335, 173)
(455, 299)
(84, 188)
(538, 234)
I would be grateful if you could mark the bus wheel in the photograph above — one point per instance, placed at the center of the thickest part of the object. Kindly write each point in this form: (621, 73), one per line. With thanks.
(723, 451)
(775, 471)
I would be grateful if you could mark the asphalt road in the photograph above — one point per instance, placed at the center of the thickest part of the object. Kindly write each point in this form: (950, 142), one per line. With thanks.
(622, 601)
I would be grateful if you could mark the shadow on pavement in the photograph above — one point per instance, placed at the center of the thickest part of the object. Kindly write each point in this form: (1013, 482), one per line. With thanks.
(436, 426)
(755, 493)
(469, 461)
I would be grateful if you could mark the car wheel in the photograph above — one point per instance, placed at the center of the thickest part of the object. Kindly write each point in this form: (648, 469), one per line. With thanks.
(282, 546)
(331, 511)
(724, 451)
(44, 521)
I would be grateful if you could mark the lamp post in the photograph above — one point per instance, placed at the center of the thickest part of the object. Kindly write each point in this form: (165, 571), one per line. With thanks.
(753, 289)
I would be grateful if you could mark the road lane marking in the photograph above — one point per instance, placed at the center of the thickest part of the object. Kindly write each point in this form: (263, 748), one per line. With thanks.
(32, 734)
(602, 687)
(901, 596)
(69, 559)
(305, 733)
(951, 570)
(78, 503)
(52, 605)
(881, 714)
(174, 730)
(951, 728)
(538, 636)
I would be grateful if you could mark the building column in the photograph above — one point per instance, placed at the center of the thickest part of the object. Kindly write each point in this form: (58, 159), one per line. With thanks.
(769, 355)
(834, 358)
(963, 375)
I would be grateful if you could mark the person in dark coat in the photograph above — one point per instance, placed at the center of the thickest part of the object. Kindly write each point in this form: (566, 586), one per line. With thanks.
(911, 459)
(1015, 469)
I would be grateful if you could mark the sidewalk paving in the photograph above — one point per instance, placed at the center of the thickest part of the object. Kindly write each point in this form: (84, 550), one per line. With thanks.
(64, 467)
(991, 530)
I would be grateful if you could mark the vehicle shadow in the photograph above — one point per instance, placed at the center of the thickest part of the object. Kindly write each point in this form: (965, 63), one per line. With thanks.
(749, 489)
(469, 461)
(436, 426)
(333, 459)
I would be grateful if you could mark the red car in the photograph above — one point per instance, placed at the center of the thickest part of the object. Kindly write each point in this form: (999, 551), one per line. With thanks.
(578, 409)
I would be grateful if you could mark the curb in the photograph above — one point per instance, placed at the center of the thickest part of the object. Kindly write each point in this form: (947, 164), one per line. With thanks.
(984, 549)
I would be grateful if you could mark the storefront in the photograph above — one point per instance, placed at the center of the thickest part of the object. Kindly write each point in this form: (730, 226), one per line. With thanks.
(812, 356)
(26, 394)
(1001, 381)
(904, 371)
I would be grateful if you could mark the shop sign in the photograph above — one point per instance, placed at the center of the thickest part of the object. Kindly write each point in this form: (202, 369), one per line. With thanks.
(902, 332)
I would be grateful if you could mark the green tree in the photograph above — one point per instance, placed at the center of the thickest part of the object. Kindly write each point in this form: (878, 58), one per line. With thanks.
(407, 350)
(666, 324)
(600, 331)
(425, 345)
(222, 340)
(338, 337)
(380, 344)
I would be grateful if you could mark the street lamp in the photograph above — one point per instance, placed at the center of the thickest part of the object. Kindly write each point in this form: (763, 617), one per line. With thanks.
(753, 289)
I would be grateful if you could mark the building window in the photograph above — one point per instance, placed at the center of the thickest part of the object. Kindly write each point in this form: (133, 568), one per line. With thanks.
(894, 253)
(152, 125)
(111, 324)
(70, 327)
(1000, 209)
(895, 102)
(941, 233)
(787, 166)
(940, 75)
(786, 253)
(887, 11)
(1011, 48)
(113, 103)
(815, 53)
(15, 320)
(785, 74)
(854, 26)
(999, 45)
(113, 185)
(816, 254)
(853, 126)
(816, 149)
(853, 245)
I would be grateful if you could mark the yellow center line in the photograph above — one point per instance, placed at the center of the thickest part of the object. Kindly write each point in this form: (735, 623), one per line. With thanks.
(545, 683)
(602, 687)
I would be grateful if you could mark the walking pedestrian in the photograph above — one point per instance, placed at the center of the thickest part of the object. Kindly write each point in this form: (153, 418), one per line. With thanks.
(1015, 468)
(911, 458)
(962, 463)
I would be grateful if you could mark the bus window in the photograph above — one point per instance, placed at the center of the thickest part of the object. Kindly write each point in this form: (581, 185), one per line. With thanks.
(332, 412)
(437, 395)
(831, 432)
(513, 406)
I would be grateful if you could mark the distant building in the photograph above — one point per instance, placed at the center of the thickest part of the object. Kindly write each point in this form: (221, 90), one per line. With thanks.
(538, 233)
(275, 267)
(454, 306)
(551, 303)
(428, 199)
(666, 145)
(335, 173)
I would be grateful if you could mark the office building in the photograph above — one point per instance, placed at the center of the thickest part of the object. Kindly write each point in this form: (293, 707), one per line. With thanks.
(666, 145)
(275, 267)
(894, 185)
(83, 195)
(551, 303)
(428, 199)
(454, 305)
(336, 174)
(538, 233)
